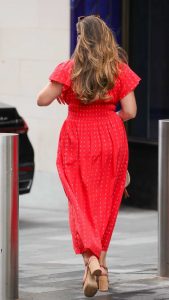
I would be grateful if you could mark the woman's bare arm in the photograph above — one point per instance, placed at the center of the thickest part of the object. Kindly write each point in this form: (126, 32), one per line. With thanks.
(128, 107)
(49, 93)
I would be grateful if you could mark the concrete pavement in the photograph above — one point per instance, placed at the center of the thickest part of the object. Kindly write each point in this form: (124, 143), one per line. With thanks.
(49, 268)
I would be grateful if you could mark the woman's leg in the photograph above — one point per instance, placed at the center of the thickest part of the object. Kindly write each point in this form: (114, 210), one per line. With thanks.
(86, 255)
(102, 258)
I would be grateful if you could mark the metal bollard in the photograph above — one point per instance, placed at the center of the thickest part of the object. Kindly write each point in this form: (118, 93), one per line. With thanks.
(163, 198)
(8, 216)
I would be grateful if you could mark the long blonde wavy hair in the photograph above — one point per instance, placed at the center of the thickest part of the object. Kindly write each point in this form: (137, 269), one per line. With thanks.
(96, 60)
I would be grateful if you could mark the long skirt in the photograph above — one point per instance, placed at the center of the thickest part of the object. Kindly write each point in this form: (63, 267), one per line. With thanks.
(92, 161)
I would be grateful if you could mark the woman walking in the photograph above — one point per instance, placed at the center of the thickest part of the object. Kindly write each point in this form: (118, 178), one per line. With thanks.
(92, 155)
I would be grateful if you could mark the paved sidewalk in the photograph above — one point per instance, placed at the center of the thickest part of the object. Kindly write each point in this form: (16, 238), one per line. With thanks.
(49, 268)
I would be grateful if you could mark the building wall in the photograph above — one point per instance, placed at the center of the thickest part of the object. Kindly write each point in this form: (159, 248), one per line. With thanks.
(34, 38)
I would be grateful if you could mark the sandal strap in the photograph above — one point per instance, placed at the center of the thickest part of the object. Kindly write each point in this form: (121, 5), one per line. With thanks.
(103, 266)
(104, 270)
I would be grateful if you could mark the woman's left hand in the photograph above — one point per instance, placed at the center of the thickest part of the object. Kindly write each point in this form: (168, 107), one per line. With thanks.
(49, 93)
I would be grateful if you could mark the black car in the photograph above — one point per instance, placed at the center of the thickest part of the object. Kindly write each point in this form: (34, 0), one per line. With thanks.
(11, 121)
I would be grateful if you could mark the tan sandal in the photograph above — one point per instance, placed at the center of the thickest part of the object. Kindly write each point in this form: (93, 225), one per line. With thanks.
(90, 286)
(103, 280)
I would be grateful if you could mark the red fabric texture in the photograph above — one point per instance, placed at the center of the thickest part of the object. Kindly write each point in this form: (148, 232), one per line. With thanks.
(92, 160)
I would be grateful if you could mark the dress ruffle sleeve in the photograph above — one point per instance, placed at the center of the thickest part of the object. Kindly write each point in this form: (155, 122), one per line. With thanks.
(128, 80)
(62, 74)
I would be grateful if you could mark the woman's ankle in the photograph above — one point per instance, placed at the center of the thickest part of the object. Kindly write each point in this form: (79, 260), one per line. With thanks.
(86, 255)
(102, 262)
(102, 258)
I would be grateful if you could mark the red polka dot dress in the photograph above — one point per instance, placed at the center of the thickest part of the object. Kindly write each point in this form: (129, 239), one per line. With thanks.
(92, 160)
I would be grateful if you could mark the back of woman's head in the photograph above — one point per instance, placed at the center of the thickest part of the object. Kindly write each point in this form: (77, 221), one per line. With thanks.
(96, 59)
